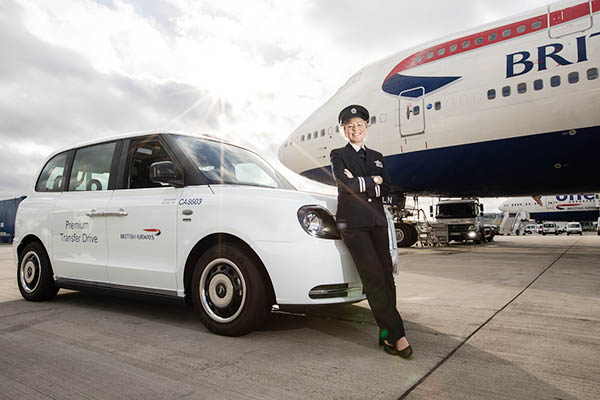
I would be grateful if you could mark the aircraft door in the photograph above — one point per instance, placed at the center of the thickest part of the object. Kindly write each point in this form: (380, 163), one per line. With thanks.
(569, 16)
(412, 112)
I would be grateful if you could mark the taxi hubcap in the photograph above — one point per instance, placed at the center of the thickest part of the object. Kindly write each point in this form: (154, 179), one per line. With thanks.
(222, 290)
(30, 272)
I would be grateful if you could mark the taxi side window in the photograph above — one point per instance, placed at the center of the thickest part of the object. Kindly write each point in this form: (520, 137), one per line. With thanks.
(142, 155)
(51, 178)
(91, 168)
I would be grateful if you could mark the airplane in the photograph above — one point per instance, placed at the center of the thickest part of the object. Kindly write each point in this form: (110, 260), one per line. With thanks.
(565, 207)
(468, 114)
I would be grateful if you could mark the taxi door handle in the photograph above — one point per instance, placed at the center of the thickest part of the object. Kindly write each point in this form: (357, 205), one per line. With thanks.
(120, 213)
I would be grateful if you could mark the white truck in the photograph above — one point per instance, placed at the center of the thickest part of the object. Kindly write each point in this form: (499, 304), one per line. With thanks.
(462, 220)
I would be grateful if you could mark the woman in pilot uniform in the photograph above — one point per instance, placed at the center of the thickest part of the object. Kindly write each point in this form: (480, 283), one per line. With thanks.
(362, 180)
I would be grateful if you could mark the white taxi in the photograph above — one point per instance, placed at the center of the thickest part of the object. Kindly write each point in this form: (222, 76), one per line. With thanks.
(196, 218)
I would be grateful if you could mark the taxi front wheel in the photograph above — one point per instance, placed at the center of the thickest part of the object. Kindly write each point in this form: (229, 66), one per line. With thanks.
(34, 273)
(229, 292)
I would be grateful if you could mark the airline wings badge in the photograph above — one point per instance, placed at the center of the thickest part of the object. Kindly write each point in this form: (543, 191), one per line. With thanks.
(378, 164)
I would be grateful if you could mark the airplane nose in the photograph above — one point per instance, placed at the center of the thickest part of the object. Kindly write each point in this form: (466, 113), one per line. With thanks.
(281, 154)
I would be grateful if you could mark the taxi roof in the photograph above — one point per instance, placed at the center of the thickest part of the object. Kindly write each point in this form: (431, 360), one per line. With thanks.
(127, 135)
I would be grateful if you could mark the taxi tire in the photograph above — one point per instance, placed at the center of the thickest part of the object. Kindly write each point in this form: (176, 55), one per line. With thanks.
(255, 308)
(45, 288)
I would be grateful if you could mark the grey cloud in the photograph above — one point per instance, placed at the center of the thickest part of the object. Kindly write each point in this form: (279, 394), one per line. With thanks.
(13, 182)
(54, 97)
(161, 12)
(382, 27)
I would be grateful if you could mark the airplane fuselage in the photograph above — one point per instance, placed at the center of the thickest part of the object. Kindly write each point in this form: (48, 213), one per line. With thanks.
(562, 207)
(509, 109)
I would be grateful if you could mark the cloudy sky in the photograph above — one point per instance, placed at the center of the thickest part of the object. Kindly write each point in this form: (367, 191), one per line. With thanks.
(247, 71)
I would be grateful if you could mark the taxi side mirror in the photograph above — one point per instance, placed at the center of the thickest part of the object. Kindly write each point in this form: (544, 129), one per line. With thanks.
(166, 173)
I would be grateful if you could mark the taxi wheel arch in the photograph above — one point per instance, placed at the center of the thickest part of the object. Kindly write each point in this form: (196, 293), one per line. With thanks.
(35, 277)
(240, 260)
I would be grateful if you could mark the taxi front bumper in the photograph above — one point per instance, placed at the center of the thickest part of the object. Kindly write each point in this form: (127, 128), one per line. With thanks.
(316, 271)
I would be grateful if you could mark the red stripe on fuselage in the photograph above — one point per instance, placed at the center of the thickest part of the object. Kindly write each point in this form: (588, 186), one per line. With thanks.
(556, 18)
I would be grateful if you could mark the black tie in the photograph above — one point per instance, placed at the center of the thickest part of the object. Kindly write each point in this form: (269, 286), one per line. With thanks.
(363, 154)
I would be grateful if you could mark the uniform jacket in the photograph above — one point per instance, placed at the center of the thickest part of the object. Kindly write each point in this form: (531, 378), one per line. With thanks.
(359, 198)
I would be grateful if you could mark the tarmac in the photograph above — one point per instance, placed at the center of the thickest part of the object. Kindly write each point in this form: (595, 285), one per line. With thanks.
(518, 318)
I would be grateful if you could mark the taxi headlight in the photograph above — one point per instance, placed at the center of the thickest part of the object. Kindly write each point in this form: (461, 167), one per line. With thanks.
(318, 222)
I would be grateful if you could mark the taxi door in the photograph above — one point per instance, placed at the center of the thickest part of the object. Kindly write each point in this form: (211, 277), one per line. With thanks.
(142, 228)
(79, 223)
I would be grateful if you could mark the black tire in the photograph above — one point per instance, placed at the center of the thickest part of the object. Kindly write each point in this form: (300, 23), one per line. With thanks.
(484, 238)
(34, 273)
(406, 235)
(229, 291)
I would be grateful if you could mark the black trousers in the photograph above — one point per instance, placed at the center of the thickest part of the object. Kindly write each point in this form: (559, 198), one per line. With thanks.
(370, 250)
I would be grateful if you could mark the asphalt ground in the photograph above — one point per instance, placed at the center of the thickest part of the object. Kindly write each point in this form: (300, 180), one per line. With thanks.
(518, 318)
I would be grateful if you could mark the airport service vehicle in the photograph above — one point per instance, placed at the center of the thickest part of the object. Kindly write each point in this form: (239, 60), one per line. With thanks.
(462, 220)
(8, 212)
(187, 217)
(574, 228)
(561, 226)
(529, 229)
(459, 116)
(549, 228)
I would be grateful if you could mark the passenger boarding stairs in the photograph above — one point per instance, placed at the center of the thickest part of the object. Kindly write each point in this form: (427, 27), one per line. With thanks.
(511, 222)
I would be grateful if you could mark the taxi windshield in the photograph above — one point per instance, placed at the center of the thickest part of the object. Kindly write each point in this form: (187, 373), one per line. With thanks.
(222, 163)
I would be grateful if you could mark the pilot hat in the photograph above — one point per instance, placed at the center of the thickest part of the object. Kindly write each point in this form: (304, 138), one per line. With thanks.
(353, 111)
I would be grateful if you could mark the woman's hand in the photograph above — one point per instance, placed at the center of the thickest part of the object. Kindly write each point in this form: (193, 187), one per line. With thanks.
(348, 174)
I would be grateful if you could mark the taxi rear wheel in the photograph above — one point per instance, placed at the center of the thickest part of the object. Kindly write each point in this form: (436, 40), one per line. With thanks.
(34, 273)
(229, 291)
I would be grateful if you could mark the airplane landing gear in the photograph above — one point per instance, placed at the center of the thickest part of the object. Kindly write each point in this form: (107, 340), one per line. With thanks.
(406, 234)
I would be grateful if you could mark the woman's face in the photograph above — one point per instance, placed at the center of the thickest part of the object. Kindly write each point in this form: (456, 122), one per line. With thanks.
(356, 130)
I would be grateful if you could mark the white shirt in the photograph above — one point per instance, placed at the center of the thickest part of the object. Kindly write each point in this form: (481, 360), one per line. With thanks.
(356, 148)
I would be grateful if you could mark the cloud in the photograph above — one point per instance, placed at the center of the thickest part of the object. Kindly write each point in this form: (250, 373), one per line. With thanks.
(52, 97)
(379, 28)
(246, 71)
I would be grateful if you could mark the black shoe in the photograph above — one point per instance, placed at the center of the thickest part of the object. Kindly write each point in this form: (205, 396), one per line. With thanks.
(392, 350)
